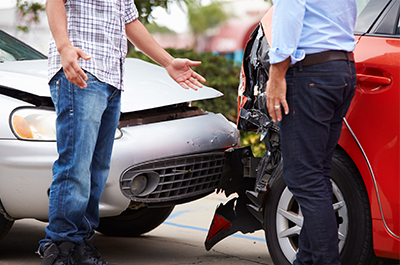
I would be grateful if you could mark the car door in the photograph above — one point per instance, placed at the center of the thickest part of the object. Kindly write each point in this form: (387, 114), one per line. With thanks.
(374, 113)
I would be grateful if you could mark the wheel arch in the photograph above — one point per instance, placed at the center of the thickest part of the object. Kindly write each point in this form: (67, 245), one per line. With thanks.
(386, 243)
(348, 143)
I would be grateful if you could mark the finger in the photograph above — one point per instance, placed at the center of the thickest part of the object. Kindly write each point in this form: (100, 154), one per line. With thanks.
(79, 82)
(80, 77)
(194, 63)
(75, 79)
(285, 107)
(83, 55)
(191, 85)
(271, 110)
(278, 111)
(199, 77)
(82, 74)
(182, 84)
(195, 82)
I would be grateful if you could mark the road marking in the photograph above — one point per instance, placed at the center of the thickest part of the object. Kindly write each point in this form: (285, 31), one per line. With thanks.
(175, 214)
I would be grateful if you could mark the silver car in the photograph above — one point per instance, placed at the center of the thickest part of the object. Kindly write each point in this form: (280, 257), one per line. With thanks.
(166, 152)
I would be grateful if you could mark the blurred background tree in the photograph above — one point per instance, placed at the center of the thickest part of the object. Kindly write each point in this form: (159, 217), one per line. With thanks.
(28, 13)
(146, 7)
(203, 18)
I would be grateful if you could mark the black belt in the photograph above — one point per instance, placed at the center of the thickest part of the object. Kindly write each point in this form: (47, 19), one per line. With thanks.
(324, 57)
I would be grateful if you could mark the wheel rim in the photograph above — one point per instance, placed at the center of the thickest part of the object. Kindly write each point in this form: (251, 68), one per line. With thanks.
(289, 221)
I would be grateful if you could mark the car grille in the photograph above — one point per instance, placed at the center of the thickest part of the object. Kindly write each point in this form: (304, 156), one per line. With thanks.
(180, 177)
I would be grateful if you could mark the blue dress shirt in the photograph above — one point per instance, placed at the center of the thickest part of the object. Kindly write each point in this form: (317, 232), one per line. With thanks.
(301, 27)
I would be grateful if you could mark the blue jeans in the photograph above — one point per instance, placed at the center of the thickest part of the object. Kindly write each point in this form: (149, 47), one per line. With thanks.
(86, 123)
(318, 97)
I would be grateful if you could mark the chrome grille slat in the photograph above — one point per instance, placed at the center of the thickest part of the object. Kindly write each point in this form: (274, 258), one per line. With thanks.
(180, 177)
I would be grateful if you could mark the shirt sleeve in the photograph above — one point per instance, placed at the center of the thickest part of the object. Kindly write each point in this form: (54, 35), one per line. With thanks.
(131, 12)
(287, 24)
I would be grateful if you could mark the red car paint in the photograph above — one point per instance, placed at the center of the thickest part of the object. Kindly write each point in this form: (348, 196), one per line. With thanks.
(374, 120)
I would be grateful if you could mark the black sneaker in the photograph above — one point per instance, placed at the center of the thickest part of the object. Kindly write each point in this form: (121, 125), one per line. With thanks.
(61, 254)
(88, 254)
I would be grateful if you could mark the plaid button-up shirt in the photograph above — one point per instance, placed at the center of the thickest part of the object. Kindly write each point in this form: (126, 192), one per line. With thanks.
(98, 28)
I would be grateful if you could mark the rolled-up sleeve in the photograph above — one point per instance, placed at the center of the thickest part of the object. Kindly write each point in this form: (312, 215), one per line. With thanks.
(287, 24)
(131, 12)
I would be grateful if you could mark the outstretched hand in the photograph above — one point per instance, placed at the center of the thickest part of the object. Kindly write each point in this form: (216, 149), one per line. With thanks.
(180, 71)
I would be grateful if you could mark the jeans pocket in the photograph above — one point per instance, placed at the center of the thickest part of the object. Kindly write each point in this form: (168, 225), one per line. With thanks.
(326, 97)
(91, 78)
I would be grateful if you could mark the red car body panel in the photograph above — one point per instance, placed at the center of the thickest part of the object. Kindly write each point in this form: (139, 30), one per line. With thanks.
(374, 119)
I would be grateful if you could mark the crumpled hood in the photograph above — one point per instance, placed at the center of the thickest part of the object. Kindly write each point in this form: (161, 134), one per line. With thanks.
(147, 85)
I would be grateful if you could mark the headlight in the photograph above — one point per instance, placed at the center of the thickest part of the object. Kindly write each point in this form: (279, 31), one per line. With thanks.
(37, 124)
(34, 124)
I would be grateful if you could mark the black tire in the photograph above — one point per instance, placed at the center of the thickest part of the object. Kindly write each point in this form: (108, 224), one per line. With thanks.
(5, 226)
(352, 211)
(131, 223)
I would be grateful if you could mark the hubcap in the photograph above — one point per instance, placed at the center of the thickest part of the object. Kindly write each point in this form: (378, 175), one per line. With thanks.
(289, 221)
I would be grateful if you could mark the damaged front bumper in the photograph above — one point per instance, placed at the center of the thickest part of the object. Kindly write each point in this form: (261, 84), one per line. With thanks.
(250, 178)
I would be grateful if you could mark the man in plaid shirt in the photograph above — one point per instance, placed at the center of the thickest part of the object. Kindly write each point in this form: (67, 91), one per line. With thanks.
(86, 68)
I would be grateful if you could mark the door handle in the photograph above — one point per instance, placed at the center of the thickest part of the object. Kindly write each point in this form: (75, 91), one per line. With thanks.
(381, 80)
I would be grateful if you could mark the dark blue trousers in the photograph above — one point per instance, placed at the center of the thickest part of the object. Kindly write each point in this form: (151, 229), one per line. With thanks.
(318, 97)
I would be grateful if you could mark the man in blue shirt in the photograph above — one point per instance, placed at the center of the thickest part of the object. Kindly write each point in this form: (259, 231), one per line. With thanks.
(312, 79)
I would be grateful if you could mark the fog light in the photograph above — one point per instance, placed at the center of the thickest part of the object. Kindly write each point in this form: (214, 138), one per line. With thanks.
(139, 184)
(144, 183)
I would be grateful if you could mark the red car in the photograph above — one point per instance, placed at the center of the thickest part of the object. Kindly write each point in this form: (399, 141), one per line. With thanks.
(365, 167)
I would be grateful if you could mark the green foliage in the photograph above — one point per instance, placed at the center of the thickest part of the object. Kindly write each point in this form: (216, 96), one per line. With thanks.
(222, 75)
(28, 13)
(30, 10)
(154, 28)
(253, 139)
(145, 7)
(201, 18)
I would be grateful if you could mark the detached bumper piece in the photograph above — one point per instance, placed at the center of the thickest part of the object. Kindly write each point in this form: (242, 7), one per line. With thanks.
(250, 177)
(229, 219)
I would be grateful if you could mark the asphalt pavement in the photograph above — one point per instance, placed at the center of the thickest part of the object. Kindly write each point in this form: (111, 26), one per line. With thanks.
(178, 241)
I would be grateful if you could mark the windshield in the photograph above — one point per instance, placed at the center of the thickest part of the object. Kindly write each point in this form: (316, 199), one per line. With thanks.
(12, 49)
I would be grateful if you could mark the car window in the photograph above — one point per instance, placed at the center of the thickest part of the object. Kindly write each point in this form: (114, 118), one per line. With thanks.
(398, 22)
(388, 23)
(12, 49)
(398, 28)
(368, 12)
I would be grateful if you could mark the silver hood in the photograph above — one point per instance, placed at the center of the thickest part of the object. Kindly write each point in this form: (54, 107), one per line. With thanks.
(147, 85)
